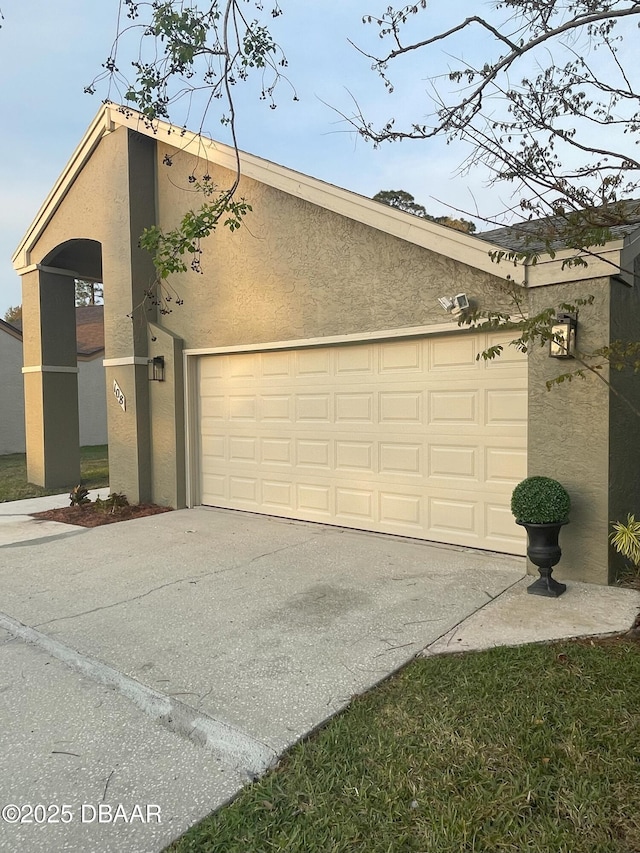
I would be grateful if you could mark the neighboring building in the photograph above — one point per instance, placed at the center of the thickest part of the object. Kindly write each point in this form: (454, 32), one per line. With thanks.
(12, 418)
(92, 399)
(311, 372)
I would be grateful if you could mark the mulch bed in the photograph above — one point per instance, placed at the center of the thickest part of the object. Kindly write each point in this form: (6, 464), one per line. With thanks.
(89, 516)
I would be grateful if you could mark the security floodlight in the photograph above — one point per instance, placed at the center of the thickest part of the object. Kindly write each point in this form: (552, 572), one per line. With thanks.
(446, 303)
(455, 305)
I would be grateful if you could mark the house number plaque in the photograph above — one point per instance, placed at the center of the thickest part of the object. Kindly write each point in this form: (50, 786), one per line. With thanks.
(122, 400)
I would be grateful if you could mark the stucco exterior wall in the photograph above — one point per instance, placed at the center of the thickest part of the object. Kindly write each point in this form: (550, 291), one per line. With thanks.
(167, 421)
(12, 419)
(295, 270)
(569, 432)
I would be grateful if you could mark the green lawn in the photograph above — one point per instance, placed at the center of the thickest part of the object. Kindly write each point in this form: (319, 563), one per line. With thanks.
(94, 468)
(532, 749)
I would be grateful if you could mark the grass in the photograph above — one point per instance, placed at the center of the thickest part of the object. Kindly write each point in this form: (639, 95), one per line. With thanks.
(94, 470)
(530, 749)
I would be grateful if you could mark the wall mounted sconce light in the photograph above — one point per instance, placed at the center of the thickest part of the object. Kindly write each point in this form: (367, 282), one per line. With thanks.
(456, 305)
(156, 368)
(563, 341)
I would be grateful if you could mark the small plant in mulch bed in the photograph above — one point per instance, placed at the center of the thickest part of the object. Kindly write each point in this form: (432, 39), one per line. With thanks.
(112, 503)
(79, 496)
(115, 507)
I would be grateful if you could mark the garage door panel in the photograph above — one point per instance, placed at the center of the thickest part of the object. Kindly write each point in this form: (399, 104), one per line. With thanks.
(506, 406)
(400, 508)
(314, 501)
(355, 456)
(505, 465)
(401, 407)
(242, 407)
(313, 453)
(454, 407)
(405, 356)
(401, 458)
(277, 494)
(500, 527)
(314, 407)
(277, 451)
(454, 461)
(354, 408)
(453, 516)
(276, 408)
(355, 360)
(355, 504)
(313, 362)
(215, 487)
(413, 437)
(243, 366)
(276, 365)
(449, 353)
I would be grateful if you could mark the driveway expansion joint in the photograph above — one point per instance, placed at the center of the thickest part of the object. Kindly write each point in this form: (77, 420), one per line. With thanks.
(230, 745)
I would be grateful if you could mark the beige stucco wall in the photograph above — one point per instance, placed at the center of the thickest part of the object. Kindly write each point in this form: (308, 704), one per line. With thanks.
(12, 417)
(295, 270)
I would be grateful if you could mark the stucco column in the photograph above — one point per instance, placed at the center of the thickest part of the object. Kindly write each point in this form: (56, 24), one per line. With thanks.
(128, 272)
(50, 377)
(569, 432)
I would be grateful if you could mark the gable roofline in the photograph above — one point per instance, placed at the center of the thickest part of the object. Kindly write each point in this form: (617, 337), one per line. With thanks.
(11, 330)
(470, 250)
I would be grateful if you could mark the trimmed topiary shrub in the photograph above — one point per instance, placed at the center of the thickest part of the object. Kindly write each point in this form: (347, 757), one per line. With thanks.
(540, 500)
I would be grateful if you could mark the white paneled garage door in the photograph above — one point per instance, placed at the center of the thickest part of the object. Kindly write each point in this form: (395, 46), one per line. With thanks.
(411, 436)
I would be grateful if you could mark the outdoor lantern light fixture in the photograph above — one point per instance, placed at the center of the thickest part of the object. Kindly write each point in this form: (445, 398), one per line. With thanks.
(562, 344)
(156, 368)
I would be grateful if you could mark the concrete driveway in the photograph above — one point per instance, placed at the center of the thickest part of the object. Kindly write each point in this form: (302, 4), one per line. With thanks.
(149, 669)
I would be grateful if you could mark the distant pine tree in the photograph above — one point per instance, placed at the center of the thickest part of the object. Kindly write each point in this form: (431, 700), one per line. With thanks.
(89, 293)
(402, 200)
(13, 314)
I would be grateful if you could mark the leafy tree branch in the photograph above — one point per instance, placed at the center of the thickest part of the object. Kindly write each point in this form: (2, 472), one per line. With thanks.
(555, 72)
(192, 54)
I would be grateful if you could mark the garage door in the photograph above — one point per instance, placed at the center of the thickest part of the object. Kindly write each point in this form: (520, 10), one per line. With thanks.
(411, 436)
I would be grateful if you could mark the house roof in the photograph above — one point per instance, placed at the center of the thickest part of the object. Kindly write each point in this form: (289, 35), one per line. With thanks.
(11, 329)
(468, 249)
(89, 329)
(530, 235)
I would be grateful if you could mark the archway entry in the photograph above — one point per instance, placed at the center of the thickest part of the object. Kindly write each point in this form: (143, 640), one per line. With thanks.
(50, 360)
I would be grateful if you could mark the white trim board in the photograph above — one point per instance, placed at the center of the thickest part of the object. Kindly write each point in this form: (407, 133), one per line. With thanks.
(332, 340)
(49, 368)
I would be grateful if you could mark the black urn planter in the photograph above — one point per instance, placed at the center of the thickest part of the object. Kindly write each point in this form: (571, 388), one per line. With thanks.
(544, 552)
